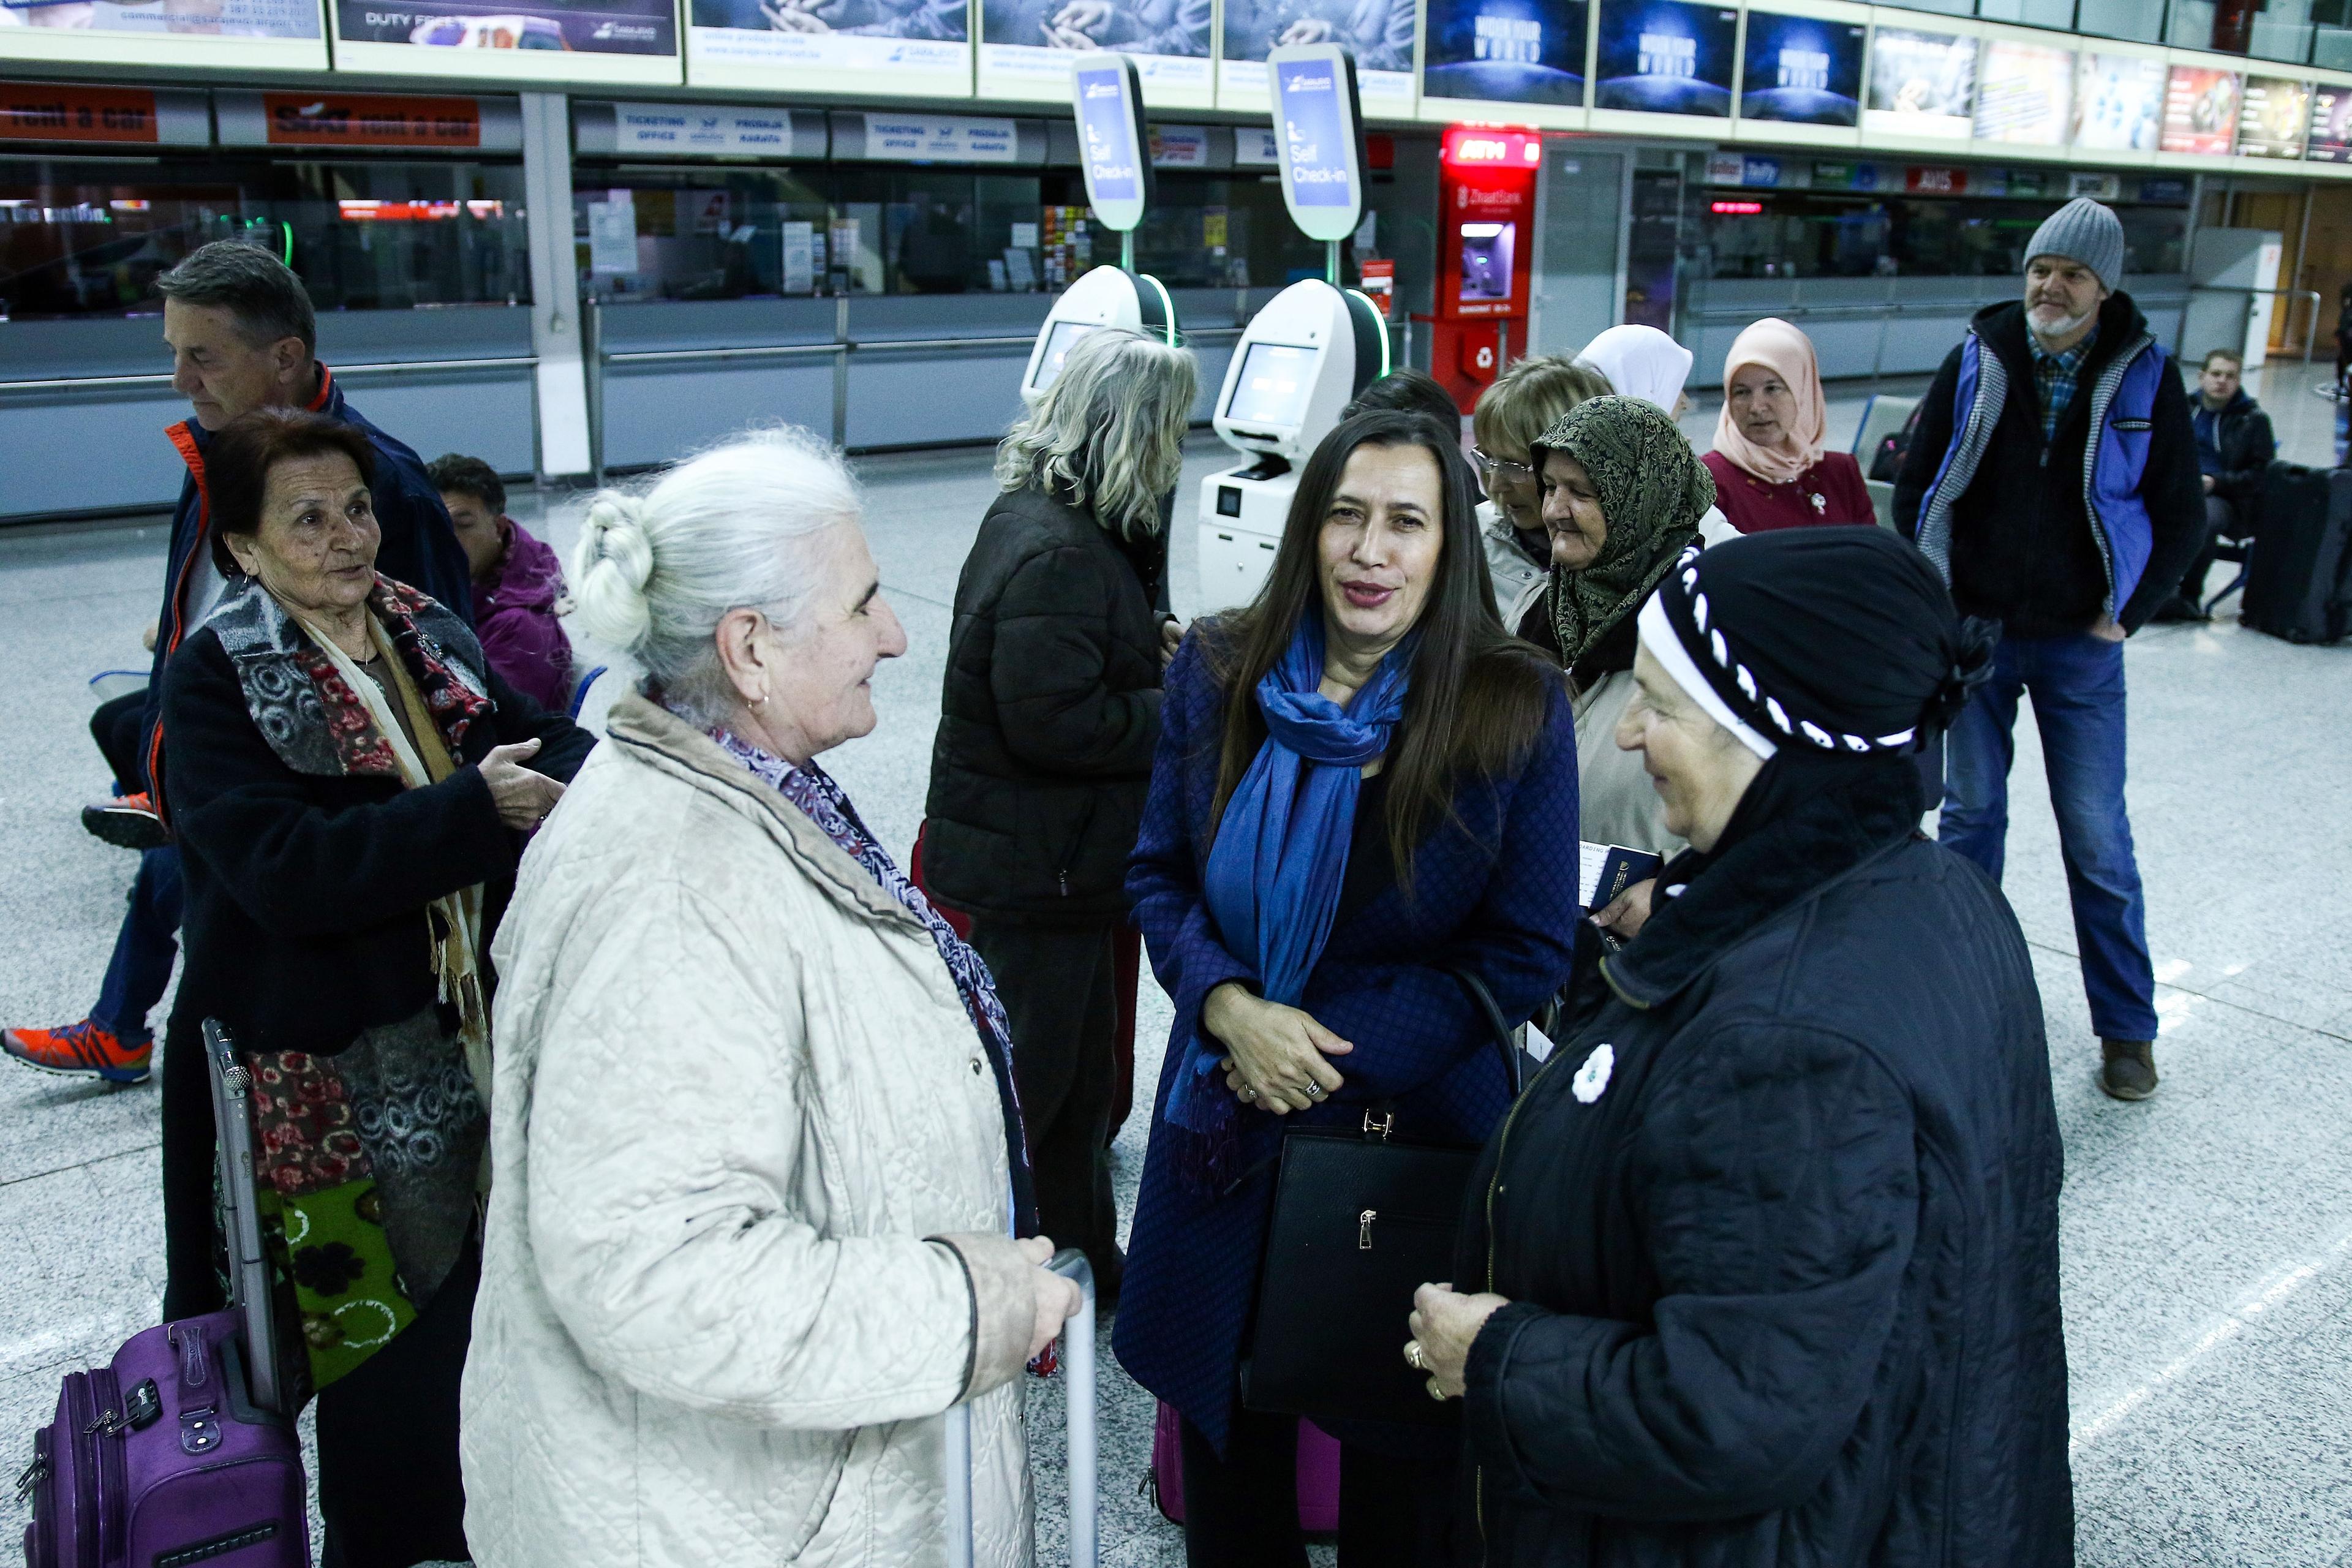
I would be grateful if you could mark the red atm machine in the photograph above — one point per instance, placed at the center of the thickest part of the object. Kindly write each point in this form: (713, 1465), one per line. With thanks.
(1486, 241)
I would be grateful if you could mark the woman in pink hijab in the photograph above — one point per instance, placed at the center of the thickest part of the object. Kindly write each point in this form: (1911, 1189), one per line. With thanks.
(1770, 467)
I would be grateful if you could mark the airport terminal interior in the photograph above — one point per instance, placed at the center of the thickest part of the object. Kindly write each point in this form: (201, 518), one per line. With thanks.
(582, 241)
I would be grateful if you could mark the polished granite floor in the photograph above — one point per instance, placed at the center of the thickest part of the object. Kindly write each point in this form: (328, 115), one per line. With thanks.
(2208, 1234)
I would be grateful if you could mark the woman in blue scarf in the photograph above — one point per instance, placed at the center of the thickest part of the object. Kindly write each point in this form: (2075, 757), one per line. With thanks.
(1363, 783)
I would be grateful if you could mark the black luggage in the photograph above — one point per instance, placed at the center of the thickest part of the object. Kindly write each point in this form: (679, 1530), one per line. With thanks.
(2295, 584)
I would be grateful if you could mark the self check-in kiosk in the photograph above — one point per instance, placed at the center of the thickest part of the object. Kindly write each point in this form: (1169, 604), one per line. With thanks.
(1108, 101)
(1303, 358)
(1313, 348)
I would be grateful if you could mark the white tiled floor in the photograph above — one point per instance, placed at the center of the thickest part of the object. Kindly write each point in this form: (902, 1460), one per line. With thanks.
(2208, 1269)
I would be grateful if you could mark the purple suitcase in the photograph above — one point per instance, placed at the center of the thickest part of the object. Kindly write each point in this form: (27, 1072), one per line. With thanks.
(177, 1454)
(160, 1461)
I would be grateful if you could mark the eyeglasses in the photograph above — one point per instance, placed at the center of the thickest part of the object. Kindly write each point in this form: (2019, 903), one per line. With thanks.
(1491, 468)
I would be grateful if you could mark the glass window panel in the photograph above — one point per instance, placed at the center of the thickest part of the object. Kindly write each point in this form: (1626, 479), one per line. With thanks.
(88, 237)
(698, 233)
(2140, 19)
(2057, 13)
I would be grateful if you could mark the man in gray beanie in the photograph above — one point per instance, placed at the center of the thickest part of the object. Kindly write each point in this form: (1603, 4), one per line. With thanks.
(2053, 480)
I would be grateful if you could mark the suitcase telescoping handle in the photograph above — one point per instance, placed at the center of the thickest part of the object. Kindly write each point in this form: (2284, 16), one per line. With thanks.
(1078, 1367)
(248, 1259)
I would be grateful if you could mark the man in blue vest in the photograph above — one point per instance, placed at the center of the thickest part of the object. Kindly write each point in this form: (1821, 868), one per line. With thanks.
(2053, 480)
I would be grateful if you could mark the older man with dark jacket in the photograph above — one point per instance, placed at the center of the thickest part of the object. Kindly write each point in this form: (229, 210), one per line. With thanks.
(2054, 481)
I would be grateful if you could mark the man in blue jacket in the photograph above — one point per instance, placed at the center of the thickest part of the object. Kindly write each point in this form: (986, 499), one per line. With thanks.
(243, 336)
(2054, 481)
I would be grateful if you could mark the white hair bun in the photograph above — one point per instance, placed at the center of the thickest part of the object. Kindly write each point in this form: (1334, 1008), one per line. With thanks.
(610, 568)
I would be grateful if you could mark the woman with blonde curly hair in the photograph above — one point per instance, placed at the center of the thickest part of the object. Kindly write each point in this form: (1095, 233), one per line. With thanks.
(1047, 721)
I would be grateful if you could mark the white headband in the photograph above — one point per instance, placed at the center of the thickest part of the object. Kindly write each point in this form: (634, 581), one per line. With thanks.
(1657, 635)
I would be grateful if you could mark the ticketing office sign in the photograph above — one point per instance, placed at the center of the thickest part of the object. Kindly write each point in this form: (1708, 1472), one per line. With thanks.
(1107, 101)
(1319, 135)
(719, 129)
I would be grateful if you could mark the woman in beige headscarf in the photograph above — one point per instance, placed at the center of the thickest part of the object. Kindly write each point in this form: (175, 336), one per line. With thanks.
(1770, 465)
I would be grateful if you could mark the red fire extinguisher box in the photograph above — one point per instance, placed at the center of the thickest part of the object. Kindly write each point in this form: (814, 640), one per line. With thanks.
(1485, 245)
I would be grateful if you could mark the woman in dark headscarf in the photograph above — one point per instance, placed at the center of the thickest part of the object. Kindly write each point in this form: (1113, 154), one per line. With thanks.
(1767, 1266)
(1622, 496)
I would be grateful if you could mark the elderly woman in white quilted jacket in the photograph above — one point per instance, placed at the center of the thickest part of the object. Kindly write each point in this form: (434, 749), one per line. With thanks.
(758, 1164)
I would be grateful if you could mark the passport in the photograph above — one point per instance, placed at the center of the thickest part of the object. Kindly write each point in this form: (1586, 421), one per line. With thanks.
(1605, 870)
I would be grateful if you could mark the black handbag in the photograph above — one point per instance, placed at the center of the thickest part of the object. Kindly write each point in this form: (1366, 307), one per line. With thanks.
(1361, 1221)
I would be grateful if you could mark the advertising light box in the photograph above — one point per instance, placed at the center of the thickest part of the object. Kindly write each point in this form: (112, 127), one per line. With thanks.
(1665, 57)
(2026, 93)
(2200, 111)
(1921, 84)
(1802, 70)
(528, 40)
(285, 33)
(1027, 47)
(1527, 52)
(1380, 32)
(901, 47)
(2331, 125)
(2119, 103)
(2274, 118)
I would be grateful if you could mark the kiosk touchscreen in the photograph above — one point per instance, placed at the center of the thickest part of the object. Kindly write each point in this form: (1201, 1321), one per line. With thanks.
(1303, 359)
(1102, 297)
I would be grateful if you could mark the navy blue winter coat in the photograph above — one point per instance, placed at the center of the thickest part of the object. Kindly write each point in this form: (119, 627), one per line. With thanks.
(1783, 1273)
(1493, 892)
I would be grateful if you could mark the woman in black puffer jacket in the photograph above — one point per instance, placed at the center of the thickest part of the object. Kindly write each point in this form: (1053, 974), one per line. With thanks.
(1767, 1261)
(1048, 719)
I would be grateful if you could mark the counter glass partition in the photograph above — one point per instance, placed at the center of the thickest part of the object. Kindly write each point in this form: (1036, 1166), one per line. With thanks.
(652, 232)
(1811, 234)
(86, 238)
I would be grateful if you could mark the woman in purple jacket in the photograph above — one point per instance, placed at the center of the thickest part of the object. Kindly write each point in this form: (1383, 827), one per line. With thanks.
(517, 583)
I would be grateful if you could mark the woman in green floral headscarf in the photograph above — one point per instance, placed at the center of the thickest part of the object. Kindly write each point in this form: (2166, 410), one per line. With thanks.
(1623, 495)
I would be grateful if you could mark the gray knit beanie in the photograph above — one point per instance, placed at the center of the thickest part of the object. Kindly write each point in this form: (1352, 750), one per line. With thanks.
(2083, 231)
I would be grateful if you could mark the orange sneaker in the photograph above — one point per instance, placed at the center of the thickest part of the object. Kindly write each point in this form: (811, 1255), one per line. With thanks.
(127, 822)
(83, 1047)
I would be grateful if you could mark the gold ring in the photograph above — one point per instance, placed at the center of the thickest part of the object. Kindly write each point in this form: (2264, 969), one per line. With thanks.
(1412, 1356)
(1434, 1391)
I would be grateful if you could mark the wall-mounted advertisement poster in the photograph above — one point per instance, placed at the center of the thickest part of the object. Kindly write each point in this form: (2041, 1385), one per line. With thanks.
(2331, 125)
(1027, 47)
(904, 47)
(1380, 32)
(2026, 93)
(164, 32)
(2274, 118)
(1506, 52)
(2119, 103)
(2200, 111)
(1921, 84)
(1802, 70)
(1665, 57)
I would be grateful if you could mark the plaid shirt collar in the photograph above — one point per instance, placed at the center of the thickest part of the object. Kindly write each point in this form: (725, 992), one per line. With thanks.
(2055, 377)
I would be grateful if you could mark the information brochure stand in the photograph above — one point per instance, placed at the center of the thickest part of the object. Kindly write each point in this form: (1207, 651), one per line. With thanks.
(1108, 103)
(1313, 347)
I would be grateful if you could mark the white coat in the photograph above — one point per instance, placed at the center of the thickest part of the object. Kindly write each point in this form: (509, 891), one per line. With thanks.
(747, 1236)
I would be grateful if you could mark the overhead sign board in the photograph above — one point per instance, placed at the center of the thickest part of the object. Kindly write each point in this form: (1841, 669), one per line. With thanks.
(1802, 70)
(1527, 52)
(1665, 57)
(1108, 101)
(1379, 32)
(1320, 137)
(896, 47)
(62, 111)
(940, 139)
